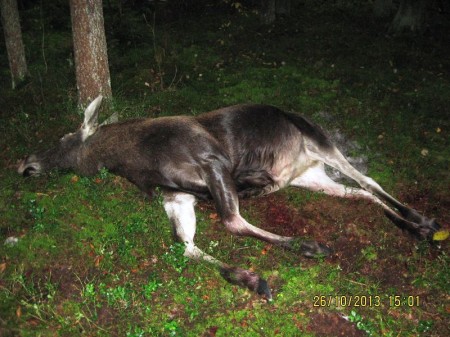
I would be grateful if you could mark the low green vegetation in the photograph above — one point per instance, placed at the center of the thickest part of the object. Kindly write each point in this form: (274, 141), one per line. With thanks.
(93, 256)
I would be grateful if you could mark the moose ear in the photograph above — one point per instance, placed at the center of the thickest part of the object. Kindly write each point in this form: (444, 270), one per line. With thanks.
(90, 123)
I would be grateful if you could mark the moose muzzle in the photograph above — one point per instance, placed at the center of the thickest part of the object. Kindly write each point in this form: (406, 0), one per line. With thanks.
(29, 166)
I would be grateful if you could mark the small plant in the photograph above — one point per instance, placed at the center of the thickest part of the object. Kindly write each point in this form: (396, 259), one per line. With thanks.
(370, 253)
(362, 324)
(213, 245)
(119, 296)
(175, 257)
(84, 181)
(172, 328)
(424, 326)
(37, 212)
(151, 286)
(137, 225)
(89, 290)
(89, 293)
(104, 173)
(135, 331)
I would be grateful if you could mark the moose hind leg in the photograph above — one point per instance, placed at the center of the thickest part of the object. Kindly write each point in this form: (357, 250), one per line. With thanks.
(179, 207)
(254, 183)
(315, 179)
(409, 219)
(224, 193)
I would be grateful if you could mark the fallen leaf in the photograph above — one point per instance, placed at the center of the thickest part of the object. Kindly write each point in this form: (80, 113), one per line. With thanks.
(97, 260)
(266, 249)
(212, 331)
(441, 235)
(394, 313)
(33, 321)
(2, 267)
(19, 311)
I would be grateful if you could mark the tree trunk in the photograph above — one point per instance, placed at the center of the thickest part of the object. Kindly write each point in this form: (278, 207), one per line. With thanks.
(268, 11)
(410, 16)
(89, 44)
(13, 38)
(382, 8)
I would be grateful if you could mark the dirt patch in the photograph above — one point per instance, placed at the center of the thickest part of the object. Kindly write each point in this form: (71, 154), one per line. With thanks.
(344, 225)
(363, 243)
(60, 276)
(333, 325)
(362, 239)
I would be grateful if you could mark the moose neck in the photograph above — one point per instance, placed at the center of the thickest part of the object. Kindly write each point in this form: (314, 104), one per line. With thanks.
(112, 147)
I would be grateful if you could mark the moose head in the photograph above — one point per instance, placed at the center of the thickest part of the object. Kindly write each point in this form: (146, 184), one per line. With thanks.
(66, 154)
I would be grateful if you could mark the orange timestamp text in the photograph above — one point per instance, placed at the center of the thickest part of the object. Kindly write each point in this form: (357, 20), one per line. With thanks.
(365, 301)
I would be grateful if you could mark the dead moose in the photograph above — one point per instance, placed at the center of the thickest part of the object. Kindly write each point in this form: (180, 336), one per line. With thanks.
(236, 152)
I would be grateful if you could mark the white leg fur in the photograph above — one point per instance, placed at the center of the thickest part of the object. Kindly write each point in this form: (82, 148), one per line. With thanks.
(315, 179)
(180, 210)
(337, 160)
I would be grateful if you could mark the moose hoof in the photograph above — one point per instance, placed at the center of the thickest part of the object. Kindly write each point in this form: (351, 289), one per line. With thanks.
(264, 290)
(309, 248)
(421, 227)
(427, 232)
(424, 227)
(247, 279)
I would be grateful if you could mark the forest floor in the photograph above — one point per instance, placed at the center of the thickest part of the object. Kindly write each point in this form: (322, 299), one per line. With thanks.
(95, 257)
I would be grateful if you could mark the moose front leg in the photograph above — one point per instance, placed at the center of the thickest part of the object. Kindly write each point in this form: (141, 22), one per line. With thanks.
(180, 209)
(224, 193)
(237, 225)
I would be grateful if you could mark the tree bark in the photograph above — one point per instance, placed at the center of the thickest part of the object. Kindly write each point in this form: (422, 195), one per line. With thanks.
(13, 38)
(410, 16)
(268, 11)
(90, 50)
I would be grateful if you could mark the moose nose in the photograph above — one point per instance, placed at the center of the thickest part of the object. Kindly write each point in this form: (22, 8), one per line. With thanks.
(29, 171)
(28, 166)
